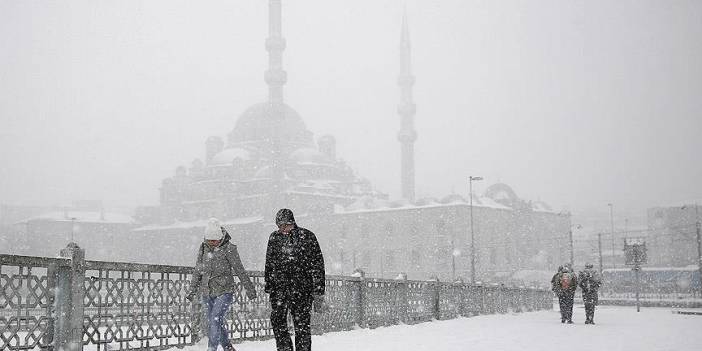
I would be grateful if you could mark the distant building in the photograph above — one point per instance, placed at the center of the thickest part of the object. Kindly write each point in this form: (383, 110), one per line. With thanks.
(672, 240)
(270, 160)
(102, 234)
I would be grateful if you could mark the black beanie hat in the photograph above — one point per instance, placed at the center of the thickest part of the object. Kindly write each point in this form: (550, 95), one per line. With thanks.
(284, 216)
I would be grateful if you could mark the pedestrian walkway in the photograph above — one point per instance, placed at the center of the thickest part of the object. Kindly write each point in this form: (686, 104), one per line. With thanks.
(617, 328)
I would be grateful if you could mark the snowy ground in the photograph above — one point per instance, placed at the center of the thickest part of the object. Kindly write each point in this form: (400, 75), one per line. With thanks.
(617, 328)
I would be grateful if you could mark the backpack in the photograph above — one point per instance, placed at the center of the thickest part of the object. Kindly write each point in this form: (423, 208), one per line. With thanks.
(566, 280)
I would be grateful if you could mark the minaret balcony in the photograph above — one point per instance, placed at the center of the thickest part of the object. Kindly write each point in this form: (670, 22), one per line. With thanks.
(275, 44)
(407, 109)
(407, 136)
(405, 80)
(275, 77)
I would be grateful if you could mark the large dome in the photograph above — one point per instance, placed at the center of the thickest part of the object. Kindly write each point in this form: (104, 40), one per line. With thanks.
(257, 123)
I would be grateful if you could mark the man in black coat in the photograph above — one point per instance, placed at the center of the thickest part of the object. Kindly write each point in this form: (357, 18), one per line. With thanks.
(589, 281)
(294, 277)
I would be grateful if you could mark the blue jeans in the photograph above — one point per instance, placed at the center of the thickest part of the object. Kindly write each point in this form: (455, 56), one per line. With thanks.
(217, 307)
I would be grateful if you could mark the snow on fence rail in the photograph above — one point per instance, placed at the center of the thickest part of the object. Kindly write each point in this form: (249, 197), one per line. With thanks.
(72, 304)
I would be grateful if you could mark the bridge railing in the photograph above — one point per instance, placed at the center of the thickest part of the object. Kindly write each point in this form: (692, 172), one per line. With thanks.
(71, 303)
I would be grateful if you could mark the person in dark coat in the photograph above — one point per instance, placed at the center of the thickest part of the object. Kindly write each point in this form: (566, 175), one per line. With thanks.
(216, 264)
(589, 281)
(294, 277)
(564, 283)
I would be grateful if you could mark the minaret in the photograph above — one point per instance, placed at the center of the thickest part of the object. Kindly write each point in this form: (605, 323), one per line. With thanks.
(406, 109)
(275, 76)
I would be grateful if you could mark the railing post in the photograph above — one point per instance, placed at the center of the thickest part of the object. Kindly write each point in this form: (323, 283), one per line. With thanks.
(460, 296)
(436, 297)
(360, 298)
(69, 300)
(402, 298)
(480, 291)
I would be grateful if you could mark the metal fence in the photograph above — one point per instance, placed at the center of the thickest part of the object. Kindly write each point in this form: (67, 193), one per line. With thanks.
(72, 304)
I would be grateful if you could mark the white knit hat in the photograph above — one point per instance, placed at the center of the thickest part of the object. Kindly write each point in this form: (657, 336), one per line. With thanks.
(213, 231)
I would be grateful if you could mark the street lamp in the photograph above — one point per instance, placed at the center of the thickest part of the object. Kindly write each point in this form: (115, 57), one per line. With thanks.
(611, 220)
(698, 230)
(73, 226)
(472, 233)
(570, 235)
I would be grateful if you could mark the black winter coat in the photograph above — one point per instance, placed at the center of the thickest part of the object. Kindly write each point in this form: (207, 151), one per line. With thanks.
(590, 281)
(294, 263)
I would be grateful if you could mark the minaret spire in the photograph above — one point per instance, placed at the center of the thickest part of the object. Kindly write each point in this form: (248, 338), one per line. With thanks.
(275, 76)
(407, 109)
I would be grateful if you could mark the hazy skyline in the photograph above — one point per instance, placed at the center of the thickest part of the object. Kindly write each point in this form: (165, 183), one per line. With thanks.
(575, 103)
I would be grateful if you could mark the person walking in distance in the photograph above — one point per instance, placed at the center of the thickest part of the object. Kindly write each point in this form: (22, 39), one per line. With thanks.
(294, 276)
(213, 278)
(590, 281)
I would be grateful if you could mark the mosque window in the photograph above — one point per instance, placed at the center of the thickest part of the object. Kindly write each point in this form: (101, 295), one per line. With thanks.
(343, 231)
(390, 259)
(441, 233)
(389, 229)
(416, 258)
(366, 260)
(365, 232)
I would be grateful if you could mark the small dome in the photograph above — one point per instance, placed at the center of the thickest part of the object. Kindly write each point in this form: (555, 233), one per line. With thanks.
(264, 173)
(453, 198)
(225, 157)
(257, 123)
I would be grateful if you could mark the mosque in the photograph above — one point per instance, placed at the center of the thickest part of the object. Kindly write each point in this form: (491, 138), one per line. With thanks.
(271, 160)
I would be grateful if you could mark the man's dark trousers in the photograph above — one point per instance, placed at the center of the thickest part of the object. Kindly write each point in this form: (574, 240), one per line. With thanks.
(300, 307)
(565, 302)
(589, 311)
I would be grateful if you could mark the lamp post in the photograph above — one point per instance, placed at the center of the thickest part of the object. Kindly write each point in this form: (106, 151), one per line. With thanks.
(611, 221)
(73, 226)
(698, 231)
(570, 236)
(472, 232)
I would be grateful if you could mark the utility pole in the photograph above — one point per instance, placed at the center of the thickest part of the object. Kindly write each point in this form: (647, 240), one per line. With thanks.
(570, 234)
(699, 251)
(455, 252)
(611, 220)
(472, 233)
(599, 246)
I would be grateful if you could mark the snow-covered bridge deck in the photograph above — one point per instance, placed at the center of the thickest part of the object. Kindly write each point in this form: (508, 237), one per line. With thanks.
(617, 328)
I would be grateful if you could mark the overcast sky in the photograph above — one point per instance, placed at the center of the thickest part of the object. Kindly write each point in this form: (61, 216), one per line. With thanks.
(577, 103)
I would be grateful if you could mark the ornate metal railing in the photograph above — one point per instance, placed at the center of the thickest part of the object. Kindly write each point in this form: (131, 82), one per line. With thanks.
(70, 303)
(27, 312)
(137, 306)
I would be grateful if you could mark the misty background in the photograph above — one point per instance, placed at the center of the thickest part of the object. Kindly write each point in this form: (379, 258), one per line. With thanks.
(577, 103)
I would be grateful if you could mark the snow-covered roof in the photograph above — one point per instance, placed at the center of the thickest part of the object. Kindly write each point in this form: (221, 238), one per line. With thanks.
(689, 268)
(200, 224)
(371, 204)
(83, 217)
(376, 205)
